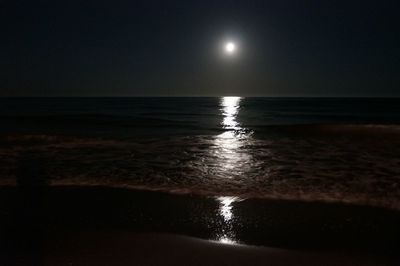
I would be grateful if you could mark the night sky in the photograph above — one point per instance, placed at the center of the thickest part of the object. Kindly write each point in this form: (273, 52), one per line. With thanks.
(173, 48)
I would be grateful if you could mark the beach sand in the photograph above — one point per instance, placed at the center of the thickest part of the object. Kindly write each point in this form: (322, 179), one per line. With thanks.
(127, 248)
(113, 226)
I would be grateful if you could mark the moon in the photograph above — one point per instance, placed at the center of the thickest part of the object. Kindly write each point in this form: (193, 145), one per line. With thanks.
(230, 48)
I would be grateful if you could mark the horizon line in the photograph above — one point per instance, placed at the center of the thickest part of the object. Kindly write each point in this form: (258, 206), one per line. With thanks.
(199, 96)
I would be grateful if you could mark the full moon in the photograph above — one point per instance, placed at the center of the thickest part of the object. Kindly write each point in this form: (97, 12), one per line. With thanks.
(230, 47)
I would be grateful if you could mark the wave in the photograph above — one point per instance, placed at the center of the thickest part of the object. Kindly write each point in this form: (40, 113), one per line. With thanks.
(278, 165)
(379, 130)
(108, 125)
(170, 121)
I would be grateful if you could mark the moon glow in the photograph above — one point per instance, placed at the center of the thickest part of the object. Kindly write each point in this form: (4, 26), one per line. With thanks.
(230, 48)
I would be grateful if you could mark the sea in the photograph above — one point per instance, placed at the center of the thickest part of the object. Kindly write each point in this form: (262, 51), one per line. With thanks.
(311, 149)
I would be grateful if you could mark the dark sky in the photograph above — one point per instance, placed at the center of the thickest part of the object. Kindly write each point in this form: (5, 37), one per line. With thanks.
(172, 48)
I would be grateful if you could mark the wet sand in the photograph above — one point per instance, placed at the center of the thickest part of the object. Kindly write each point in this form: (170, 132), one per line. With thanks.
(102, 226)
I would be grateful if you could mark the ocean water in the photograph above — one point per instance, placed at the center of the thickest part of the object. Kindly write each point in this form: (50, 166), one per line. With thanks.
(231, 148)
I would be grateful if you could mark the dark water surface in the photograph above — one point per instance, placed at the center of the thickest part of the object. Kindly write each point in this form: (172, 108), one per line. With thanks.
(227, 148)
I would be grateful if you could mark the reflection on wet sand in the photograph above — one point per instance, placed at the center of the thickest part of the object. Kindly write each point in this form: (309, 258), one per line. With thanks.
(225, 210)
(230, 158)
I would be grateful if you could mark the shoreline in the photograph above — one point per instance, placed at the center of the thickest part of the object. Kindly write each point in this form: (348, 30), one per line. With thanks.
(31, 217)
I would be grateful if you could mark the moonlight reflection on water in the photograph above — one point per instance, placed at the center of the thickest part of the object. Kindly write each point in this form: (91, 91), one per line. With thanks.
(230, 158)
(230, 109)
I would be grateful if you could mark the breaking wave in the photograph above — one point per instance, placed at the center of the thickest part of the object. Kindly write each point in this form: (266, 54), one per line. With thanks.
(358, 164)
